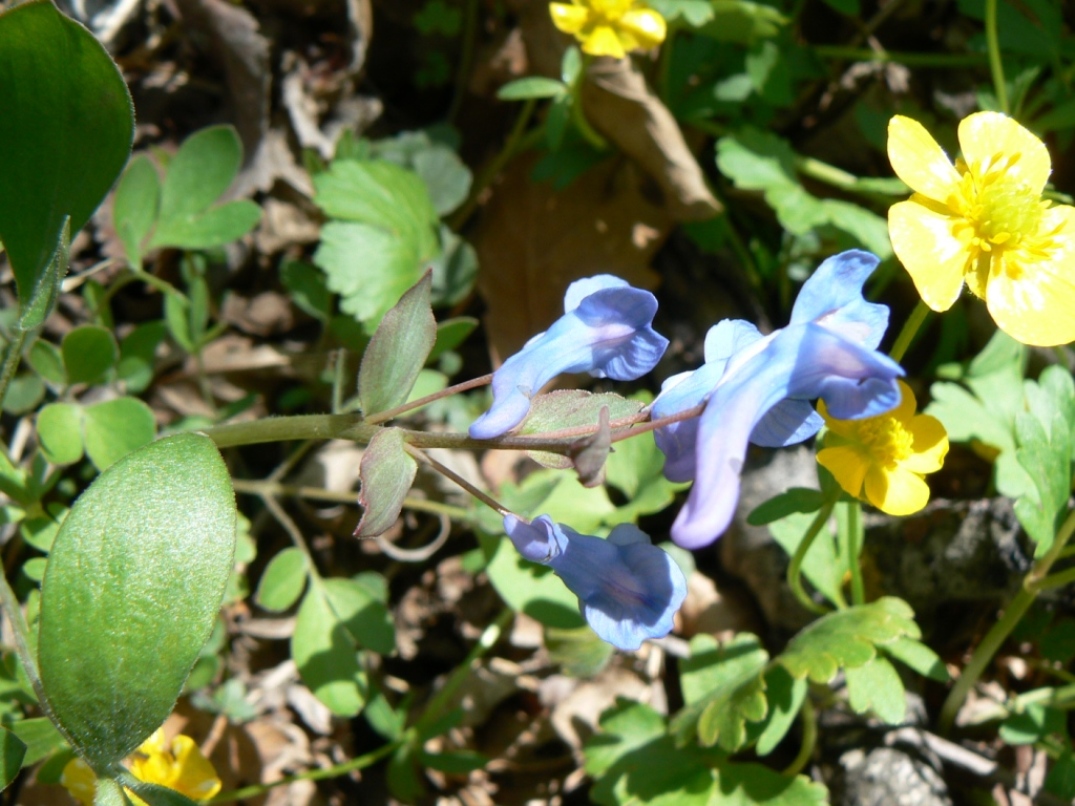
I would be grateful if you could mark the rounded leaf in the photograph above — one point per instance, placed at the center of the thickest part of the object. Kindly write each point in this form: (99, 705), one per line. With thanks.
(283, 581)
(134, 582)
(59, 429)
(88, 353)
(114, 428)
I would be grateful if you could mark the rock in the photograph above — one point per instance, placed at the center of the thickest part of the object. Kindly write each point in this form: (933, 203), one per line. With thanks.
(886, 776)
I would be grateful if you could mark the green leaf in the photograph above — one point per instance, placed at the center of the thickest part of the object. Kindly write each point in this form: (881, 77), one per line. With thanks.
(40, 737)
(849, 8)
(531, 87)
(47, 361)
(65, 133)
(724, 688)
(919, 657)
(114, 428)
(137, 356)
(823, 565)
(283, 580)
(113, 664)
(750, 784)
(451, 333)
(134, 210)
(12, 752)
(1033, 724)
(325, 655)
(847, 638)
(398, 350)
(695, 13)
(199, 173)
(634, 760)
(59, 429)
(636, 468)
(876, 686)
(215, 227)
(793, 500)
(1061, 778)
(361, 608)
(387, 233)
(386, 472)
(24, 394)
(37, 307)
(1046, 456)
(454, 269)
(307, 288)
(446, 177)
(784, 695)
(578, 652)
(88, 353)
(459, 762)
(570, 408)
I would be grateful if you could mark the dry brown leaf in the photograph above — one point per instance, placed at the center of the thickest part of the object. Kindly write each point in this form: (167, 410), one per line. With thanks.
(533, 241)
(621, 106)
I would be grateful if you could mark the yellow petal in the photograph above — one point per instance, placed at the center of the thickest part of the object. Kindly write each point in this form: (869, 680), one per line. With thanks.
(897, 491)
(987, 136)
(568, 18)
(78, 779)
(603, 41)
(923, 241)
(1035, 302)
(647, 28)
(847, 465)
(904, 412)
(195, 775)
(918, 160)
(154, 744)
(930, 445)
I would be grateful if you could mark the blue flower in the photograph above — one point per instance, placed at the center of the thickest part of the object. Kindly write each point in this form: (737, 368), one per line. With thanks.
(605, 331)
(758, 389)
(628, 589)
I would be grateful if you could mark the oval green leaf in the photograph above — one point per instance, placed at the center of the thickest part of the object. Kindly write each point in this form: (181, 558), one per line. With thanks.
(325, 654)
(133, 586)
(283, 580)
(12, 752)
(114, 428)
(59, 429)
(65, 132)
(88, 353)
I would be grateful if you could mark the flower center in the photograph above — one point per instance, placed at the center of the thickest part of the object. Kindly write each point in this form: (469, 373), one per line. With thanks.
(886, 439)
(1006, 210)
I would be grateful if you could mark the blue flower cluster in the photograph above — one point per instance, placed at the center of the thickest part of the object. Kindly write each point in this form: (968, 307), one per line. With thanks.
(755, 389)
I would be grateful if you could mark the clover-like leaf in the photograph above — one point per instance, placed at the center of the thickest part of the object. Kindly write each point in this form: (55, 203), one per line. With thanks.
(847, 638)
(876, 686)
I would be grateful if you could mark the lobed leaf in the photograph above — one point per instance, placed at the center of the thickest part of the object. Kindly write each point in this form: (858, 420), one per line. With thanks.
(847, 639)
(876, 686)
(571, 408)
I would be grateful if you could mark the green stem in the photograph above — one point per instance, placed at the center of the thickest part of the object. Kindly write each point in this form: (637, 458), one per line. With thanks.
(384, 416)
(578, 114)
(435, 708)
(447, 472)
(806, 750)
(263, 488)
(996, 67)
(359, 763)
(795, 581)
(998, 634)
(910, 330)
(854, 548)
(11, 361)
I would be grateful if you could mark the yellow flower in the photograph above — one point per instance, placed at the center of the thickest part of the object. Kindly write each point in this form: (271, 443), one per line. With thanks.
(983, 221)
(609, 27)
(882, 459)
(179, 765)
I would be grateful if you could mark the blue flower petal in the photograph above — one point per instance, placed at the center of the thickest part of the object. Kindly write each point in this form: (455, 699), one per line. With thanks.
(628, 589)
(832, 297)
(605, 332)
(789, 422)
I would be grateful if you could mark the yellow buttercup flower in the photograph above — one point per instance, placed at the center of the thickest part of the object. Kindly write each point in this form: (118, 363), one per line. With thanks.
(178, 765)
(609, 27)
(982, 221)
(883, 459)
